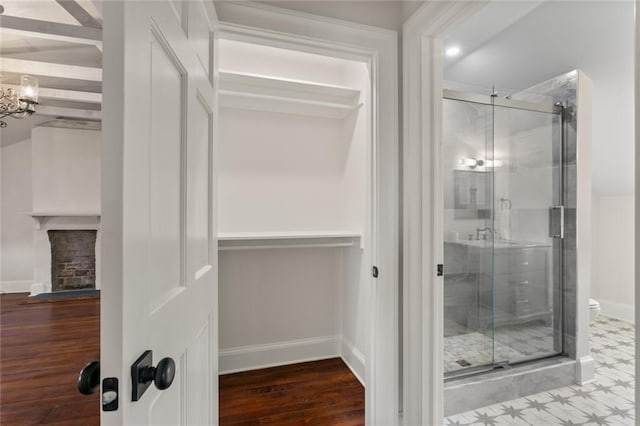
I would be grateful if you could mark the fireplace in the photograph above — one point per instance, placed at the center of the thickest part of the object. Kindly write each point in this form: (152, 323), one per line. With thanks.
(73, 259)
(66, 251)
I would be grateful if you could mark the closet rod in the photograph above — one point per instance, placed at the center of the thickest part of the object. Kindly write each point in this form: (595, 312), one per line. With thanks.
(281, 246)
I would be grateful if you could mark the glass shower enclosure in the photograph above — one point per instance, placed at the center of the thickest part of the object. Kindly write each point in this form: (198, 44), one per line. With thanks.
(503, 224)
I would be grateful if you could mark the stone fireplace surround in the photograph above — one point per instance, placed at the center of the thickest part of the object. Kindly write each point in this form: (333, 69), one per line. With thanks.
(58, 221)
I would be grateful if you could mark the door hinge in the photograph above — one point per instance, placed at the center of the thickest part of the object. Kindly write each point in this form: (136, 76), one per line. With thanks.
(374, 272)
(440, 269)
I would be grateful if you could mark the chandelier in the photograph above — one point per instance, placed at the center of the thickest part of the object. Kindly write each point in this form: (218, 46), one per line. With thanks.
(19, 104)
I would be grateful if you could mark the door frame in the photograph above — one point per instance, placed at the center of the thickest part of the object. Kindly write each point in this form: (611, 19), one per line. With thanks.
(423, 298)
(275, 27)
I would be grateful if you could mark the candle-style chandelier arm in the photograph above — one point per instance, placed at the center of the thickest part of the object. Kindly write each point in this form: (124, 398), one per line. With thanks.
(16, 105)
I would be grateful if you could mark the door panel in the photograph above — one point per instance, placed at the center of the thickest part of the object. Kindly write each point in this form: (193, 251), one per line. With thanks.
(165, 147)
(160, 272)
(199, 394)
(199, 234)
(527, 185)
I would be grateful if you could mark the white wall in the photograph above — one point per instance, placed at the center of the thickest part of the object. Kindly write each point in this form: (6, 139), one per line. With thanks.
(16, 249)
(268, 61)
(279, 173)
(613, 282)
(66, 170)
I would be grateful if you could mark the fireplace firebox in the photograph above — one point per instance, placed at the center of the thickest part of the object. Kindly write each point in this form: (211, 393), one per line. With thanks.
(73, 259)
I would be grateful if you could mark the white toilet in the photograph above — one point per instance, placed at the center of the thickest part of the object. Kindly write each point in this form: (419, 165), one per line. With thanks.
(594, 309)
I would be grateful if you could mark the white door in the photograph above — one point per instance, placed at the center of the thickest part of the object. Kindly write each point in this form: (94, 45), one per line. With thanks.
(159, 282)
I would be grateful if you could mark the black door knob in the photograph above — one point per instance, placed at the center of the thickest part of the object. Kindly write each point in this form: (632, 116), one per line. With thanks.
(162, 375)
(89, 378)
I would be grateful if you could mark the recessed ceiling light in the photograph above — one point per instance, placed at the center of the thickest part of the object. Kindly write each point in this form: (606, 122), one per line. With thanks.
(452, 51)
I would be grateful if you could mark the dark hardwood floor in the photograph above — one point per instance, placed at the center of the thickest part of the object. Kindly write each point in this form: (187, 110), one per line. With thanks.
(43, 346)
(311, 393)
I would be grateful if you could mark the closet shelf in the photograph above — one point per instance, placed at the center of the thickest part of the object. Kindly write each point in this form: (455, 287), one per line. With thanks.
(256, 241)
(260, 93)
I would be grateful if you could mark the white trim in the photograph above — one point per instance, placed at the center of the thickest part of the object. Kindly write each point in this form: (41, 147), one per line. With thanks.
(47, 69)
(585, 370)
(275, 27)
(253, 357)
(258, 241)
(583, 207)
(39, 288)
(423, 233)
(621, 311)
(80, 13)
(354, 359)
(84, 114)
(260, 93)
(64, 95)
(16, 286)
(51, 30)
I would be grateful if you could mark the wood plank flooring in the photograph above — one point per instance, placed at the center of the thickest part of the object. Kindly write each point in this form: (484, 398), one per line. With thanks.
(311, 393)
(43, 346)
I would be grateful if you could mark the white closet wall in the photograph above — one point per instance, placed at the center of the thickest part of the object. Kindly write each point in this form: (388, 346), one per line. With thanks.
(300, 178)
(280, 172)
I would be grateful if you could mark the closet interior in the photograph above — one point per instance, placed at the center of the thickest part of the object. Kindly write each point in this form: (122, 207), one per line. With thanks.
(294, 208)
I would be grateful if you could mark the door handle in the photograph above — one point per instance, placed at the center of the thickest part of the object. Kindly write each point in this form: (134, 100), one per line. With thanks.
(143, 373)
(556, 222)
(89, 378)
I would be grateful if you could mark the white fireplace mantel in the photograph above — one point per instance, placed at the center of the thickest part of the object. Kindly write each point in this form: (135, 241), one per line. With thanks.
(42, 218)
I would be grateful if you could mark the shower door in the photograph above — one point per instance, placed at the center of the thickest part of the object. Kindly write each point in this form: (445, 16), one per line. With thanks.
(503, 231)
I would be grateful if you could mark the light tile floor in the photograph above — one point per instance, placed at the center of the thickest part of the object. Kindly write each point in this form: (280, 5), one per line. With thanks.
(607, 401)
(507, 343)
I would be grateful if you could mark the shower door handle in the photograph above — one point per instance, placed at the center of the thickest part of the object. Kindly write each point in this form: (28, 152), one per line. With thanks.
(556, 222)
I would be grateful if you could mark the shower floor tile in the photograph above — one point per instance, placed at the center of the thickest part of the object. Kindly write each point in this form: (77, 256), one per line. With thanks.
(607, 401)
(512, 343)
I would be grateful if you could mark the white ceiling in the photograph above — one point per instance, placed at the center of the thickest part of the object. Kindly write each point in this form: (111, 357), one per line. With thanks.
(68, 67)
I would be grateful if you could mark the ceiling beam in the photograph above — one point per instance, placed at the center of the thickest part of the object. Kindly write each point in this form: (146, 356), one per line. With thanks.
(64, 95)
(79, 13)
(46, 69)
(84, 114)
(51, 30)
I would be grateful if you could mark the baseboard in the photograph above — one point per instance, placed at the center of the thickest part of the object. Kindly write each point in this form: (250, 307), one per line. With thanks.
(40, 288)
(354, 359)
(617, 310)
(22, 286)
(585, 370)
(274, 354)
